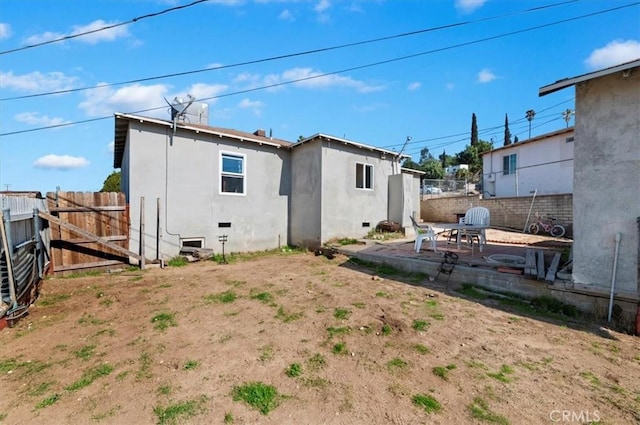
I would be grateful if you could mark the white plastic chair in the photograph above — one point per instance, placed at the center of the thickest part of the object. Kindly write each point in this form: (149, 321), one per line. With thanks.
(478, 216)
(423, 232)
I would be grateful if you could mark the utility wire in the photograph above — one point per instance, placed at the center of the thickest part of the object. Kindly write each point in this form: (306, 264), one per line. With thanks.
(384, 62)
(105, 28)
(467, 134)
(290, 55)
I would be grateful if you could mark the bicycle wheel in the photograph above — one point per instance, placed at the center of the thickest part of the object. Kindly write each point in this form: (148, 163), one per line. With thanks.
(557, 231)
(534, 229)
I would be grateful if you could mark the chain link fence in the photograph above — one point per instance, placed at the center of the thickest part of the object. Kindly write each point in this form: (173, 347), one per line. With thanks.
(447, 187)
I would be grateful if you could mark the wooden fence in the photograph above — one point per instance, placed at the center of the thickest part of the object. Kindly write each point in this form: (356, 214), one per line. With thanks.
(88, 222)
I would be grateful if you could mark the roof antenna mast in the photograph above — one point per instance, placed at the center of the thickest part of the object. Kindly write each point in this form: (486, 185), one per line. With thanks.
(179, 108)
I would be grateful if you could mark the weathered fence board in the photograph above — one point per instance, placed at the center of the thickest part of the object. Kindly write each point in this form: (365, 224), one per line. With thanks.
(92, 231)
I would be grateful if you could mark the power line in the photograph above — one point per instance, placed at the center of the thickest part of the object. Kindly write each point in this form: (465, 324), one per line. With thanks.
(467, 134)
(105, 28)
(384, 62)
(289, 55)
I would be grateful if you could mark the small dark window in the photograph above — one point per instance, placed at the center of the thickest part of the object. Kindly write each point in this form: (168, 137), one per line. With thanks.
(193, 243)
(226, 224)
(366, 224)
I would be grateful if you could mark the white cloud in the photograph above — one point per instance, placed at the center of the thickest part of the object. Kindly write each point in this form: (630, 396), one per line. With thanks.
(322, 6)
(34, 118)
(255, 105)
(285, 15)
(37, 81)
(321, 9)
(468, 6)
(93, 38)
(205, 91)
(105, 100)
(111, 147)
(315, 80)
(486, 76)
(614, 53)
(60, 162)
(43, 38)
(414, 86)
(5, 30)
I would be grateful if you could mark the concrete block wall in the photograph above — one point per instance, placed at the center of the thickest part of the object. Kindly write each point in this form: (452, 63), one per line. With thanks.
(505, 212)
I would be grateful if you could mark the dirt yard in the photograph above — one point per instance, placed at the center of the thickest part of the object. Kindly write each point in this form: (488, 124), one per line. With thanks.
(294, 338)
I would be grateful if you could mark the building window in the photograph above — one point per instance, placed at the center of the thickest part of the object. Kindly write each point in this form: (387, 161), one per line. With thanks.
(509, 164)
(364, 176)
(232, 173)
(192, 242)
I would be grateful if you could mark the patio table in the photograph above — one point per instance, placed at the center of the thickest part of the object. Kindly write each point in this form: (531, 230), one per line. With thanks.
(458, 227)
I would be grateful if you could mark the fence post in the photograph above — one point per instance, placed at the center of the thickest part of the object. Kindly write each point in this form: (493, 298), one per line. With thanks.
(39, 247)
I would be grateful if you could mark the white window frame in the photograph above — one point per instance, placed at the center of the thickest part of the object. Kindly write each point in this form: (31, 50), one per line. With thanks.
(363, 176)
(242, 175)
(510, 170)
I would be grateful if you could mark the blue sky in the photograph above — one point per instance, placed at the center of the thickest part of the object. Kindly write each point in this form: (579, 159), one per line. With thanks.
(487, 57)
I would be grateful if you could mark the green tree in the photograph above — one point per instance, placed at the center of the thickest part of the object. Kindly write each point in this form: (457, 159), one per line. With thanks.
(433, 169)
(446, 160)
(474, 130)
(507, 133)
(425, 155)
(112, 182)
(472, 155)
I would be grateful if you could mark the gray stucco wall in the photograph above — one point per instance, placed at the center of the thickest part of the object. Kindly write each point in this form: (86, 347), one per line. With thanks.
(404, 198)
(346, 208)
(183, 171)
(306, 195)
(607, 180)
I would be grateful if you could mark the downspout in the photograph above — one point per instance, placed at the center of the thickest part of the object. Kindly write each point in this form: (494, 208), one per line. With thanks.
(613, 274)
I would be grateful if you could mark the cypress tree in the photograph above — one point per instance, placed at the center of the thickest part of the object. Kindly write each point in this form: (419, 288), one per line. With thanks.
(507, 133)
(474, 130)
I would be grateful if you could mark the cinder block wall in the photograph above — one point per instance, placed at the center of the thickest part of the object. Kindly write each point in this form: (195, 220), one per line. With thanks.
(505, 212)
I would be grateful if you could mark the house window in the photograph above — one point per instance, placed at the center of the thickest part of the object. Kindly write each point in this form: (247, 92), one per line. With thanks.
(232, 173)
(364, 176)
(509, 164)
(192, 242)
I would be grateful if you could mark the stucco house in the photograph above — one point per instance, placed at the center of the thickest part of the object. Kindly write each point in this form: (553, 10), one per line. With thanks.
(606, 182)
(201, 182)
(542, 165)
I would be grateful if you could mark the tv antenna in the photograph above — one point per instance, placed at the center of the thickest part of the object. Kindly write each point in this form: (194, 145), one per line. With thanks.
(179, 109)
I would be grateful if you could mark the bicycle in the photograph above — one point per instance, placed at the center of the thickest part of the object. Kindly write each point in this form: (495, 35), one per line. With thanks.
(555, 230)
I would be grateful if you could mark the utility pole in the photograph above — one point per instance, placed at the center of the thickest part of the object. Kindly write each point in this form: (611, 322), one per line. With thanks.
(530, 114)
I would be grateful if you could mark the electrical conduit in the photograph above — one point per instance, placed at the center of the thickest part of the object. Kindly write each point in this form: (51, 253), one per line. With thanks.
(613, 274)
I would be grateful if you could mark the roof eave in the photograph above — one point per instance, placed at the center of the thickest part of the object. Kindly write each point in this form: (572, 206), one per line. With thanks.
(567, 82)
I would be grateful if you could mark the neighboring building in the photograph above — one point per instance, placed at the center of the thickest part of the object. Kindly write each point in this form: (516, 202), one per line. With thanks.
(542, 165)
(451, 170)
(606, 182)
(201, 182)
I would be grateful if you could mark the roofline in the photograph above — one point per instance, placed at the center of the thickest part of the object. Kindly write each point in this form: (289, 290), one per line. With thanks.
(567, 82)
(412, 171)
(197, 129)
(349, 142)
(123, 120)
(534, 139)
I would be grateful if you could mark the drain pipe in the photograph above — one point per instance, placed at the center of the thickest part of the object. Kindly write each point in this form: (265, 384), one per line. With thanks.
(613, 274)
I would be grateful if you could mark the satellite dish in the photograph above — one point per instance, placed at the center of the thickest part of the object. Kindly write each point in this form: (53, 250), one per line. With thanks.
(179, 108)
